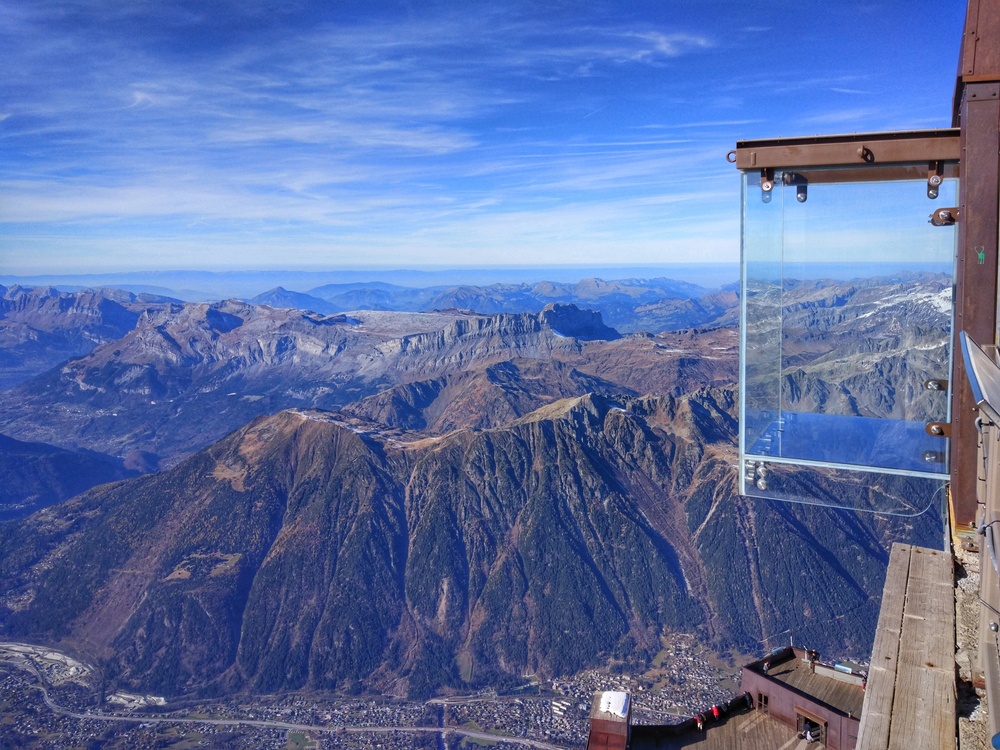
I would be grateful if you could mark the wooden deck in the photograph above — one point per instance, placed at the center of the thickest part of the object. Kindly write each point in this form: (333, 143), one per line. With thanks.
(910, 697)
(751, 730)
(843, 696)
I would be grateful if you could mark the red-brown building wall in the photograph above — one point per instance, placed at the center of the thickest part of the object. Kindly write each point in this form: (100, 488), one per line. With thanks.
(841, 731)
(607, 735)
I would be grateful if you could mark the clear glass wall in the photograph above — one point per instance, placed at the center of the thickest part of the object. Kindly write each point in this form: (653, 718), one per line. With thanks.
(847, 329)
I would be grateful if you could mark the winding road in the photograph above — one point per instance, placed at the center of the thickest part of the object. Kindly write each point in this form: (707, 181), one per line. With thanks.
(56, 708)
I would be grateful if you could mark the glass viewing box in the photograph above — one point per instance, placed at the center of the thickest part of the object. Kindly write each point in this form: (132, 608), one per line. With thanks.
(847, 275)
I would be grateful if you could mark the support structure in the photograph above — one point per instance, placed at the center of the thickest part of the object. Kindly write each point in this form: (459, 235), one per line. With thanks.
(977, 113)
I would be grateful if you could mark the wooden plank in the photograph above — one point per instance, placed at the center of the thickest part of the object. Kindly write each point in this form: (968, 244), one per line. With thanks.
(750, 731)
(923, 709)
(876, 714)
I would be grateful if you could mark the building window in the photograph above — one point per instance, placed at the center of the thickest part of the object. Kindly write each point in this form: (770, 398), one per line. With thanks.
(762, 702)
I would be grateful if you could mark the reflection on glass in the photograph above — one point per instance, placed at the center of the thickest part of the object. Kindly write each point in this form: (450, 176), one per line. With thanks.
(847, 319)
(851, 489)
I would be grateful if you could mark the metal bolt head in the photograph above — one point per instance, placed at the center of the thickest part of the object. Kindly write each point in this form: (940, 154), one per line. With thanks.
(934, 179)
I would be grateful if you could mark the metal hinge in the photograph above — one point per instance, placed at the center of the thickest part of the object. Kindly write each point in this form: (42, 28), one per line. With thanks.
(944, 217)
(800, 183)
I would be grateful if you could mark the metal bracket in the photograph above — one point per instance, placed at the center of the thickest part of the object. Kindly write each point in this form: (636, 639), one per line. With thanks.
(944, 217)
(935, 176)
(936, 385)
(756, 474)
(766, 183)
(800, 182)
(939, 429)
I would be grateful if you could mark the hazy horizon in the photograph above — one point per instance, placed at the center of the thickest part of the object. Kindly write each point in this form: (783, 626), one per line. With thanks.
(199, 285)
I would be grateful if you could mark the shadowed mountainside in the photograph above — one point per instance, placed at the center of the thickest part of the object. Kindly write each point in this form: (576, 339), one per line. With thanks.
(34, 475)
(308, 549)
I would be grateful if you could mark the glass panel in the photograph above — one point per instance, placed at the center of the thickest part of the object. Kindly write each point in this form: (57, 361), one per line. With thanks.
(846, 329)
(760, 368)
(853, 489)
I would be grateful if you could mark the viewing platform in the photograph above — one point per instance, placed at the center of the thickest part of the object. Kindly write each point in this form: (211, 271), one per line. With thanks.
(911, 692)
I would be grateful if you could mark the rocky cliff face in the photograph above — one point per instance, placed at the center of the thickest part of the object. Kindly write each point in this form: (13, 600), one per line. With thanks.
(39, 328)
(187, 374)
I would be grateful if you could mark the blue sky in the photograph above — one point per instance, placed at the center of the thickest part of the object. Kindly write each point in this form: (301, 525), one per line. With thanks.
(253, 135)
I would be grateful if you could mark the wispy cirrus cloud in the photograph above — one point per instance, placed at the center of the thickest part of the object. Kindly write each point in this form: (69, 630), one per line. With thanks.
(491, 125)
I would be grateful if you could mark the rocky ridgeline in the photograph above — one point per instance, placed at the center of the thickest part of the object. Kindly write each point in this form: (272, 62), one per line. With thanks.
(312, 550)
(186, 374)
(410, 502)
(41, 327)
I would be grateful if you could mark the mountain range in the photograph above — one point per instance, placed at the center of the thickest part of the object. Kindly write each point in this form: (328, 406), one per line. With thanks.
(411, 503)
(311, 550)
(651, 305)
(151, 389)
(41, 327)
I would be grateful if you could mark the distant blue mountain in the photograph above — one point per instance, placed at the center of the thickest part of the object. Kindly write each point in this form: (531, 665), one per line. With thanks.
(282, 298)
(197, 286)
(617, 300)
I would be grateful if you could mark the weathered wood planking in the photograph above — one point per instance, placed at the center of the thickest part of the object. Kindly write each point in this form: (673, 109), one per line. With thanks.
(750, 731)
(877, 712)
(924, 704)
(910, 697)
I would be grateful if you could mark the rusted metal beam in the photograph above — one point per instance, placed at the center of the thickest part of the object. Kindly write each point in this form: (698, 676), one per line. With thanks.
(975, 278)
(980, 59)
(864, 150)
